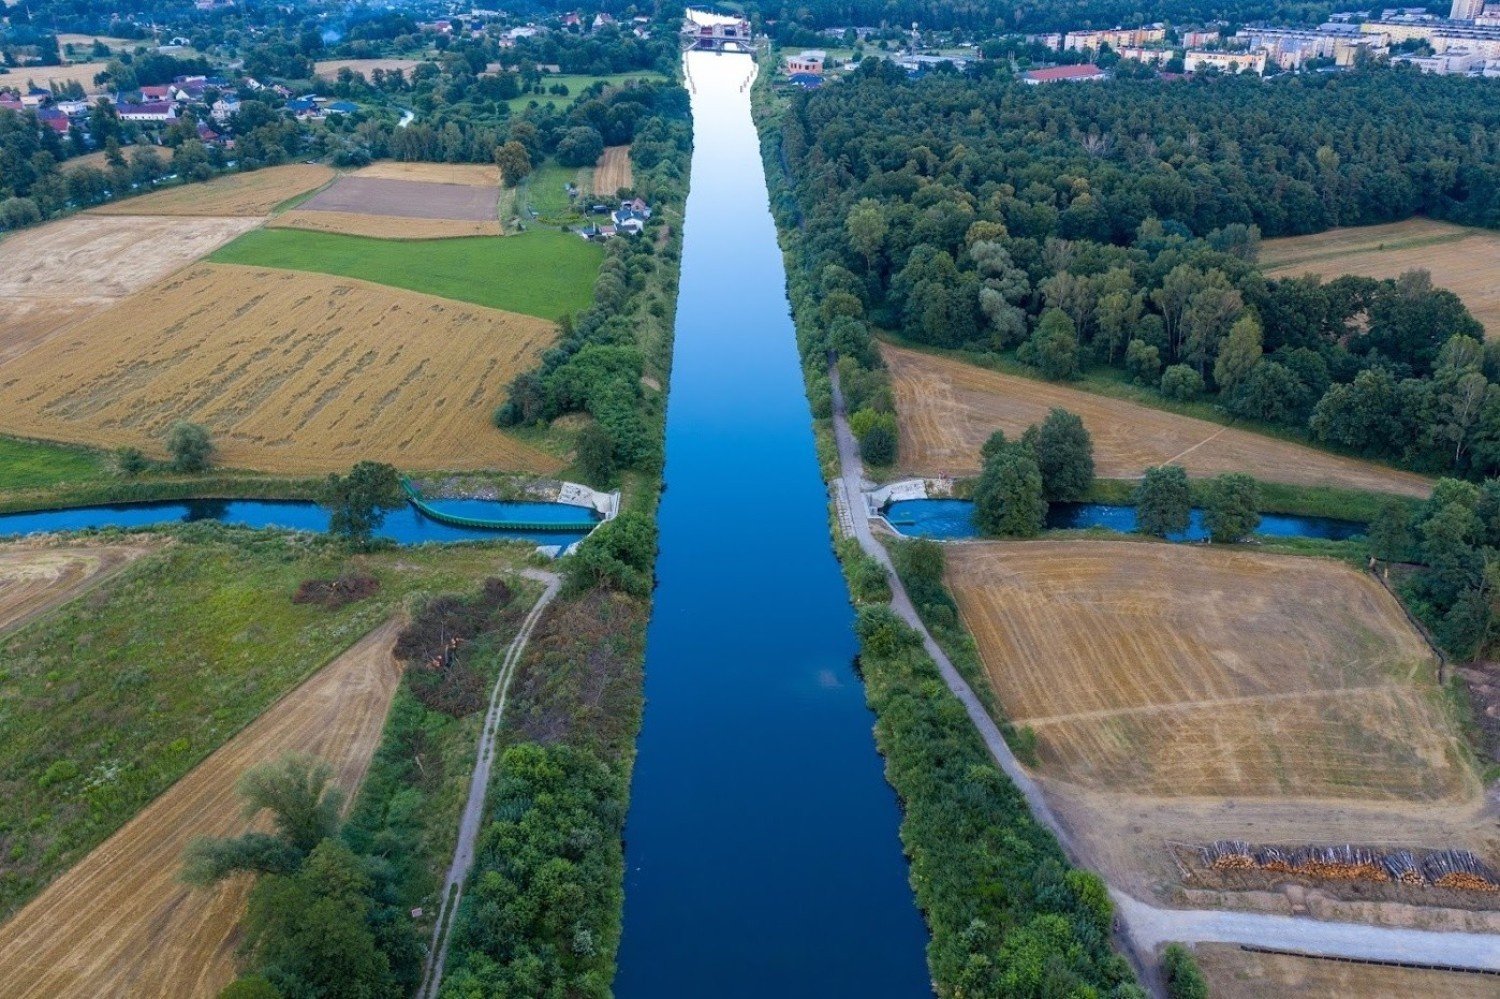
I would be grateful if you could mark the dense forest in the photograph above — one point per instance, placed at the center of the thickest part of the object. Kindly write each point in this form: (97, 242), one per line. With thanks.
(1118, 225)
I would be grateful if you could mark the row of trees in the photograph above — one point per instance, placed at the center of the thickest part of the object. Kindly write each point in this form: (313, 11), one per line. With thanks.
(1120, 225)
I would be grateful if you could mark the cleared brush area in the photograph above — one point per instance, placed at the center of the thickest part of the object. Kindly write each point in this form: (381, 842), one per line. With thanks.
(948, 409)
(246, 194)
(381, 226)
(120, 922)
(612, 172)
(1463, 260)
(1233, 973)
(1168, 670)
(470, 174)
(35, 580)
(120, 693)
(57, 274)
(290, 372)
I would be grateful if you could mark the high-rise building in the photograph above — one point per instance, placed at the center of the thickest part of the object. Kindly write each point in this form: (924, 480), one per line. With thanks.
(1466, 10)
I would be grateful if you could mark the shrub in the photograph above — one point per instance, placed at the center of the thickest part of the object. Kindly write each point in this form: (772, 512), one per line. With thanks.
(1143, 361)
(131, 461)
(1180, 973)
(190, 447)
(1053, 348)
(1181, 383)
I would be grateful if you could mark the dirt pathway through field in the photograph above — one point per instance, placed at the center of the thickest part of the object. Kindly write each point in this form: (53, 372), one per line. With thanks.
(120, 923)
(473, 815)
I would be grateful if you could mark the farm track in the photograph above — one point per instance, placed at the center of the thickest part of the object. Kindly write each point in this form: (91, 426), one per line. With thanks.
(120, 923)
(948, 409)
(34, 581)
(1142, 927)
(291, 372)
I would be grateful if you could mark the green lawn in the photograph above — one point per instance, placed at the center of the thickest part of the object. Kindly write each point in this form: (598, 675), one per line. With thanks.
(34, 465)
(107, 702)
(539, 273)
(545, 192)
(576, 85)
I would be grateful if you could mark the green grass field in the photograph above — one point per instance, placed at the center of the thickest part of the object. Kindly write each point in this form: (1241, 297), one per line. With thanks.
(34, 465)
(576, 85)
(108, 701)
(539, 273)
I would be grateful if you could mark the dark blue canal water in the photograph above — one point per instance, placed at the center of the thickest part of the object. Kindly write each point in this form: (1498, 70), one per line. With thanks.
(762, 849)
(950, 519)
(407, 525)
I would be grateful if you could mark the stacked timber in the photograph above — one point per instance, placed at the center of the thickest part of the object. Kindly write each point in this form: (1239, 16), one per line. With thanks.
(1402, 867)
(1459, 869)
(1228, 854)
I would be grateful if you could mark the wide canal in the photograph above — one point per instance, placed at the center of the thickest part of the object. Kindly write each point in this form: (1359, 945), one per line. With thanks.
(761, 847)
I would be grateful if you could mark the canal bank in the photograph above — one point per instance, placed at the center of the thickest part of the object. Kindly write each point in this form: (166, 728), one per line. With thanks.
(761, 846)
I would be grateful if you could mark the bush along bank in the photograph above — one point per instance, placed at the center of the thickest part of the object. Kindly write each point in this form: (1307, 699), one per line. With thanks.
(542, 912)
(1007, 913)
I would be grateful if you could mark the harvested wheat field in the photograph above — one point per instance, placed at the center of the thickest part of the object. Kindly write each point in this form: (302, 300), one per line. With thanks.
(948, 409)
(1192, 671)
(58, 273)
(34, 580)
(365, 67)
(1465, 261)
(470, 174)
(407, 199)
(290, 372)
(250, 194)
(82, 73)
(119, 923)
(382, 226)
(612, 172)
(1233, 973)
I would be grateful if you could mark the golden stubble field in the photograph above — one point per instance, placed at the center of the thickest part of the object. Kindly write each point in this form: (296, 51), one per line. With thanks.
(120, 923)
(948, 409)
(1184, 671)
(290, 372)
(613, 172)
(35, 579)
(468, 174)
(1465, 261)
(59, 273)
(249, 194)
(365, 67)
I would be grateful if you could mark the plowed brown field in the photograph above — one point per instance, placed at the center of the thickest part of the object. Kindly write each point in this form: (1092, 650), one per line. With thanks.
(56, 274)
(34, 580)
(1173, 670)
(290, 372)
(612, 172)
(254, 193)
(948, 409)
(1465, 261)
(119, 923)
(382, 226)
(1233, 973)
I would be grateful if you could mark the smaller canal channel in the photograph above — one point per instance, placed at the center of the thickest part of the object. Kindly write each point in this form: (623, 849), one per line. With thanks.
(953, 519)
(406, 525)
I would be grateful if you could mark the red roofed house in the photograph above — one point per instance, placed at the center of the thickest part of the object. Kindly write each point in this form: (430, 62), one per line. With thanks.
(1059, 74)
(156, 92)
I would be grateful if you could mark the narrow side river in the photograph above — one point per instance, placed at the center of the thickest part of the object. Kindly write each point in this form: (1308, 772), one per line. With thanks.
(761, 849)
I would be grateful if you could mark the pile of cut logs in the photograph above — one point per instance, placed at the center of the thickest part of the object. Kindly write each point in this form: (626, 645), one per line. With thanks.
(1444, 868)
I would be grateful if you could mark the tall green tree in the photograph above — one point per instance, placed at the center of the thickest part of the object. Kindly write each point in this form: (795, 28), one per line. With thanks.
(1053, 348)
(1064, 454)
(190, 447)
(359, 500)
(1231, 507)
(1008, 500)
(1163, 501)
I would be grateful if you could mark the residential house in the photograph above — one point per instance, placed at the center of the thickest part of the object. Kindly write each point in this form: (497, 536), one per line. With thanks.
(809, 63)
(225, 107)
(35, 97)
(147, 111)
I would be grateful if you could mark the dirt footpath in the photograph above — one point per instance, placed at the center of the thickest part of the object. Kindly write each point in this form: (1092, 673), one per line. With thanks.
(120, 923)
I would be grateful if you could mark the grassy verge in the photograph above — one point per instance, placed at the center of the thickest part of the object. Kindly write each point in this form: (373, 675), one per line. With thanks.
(151, 488)
(538, 273)
(107, 702)
(35, 465)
